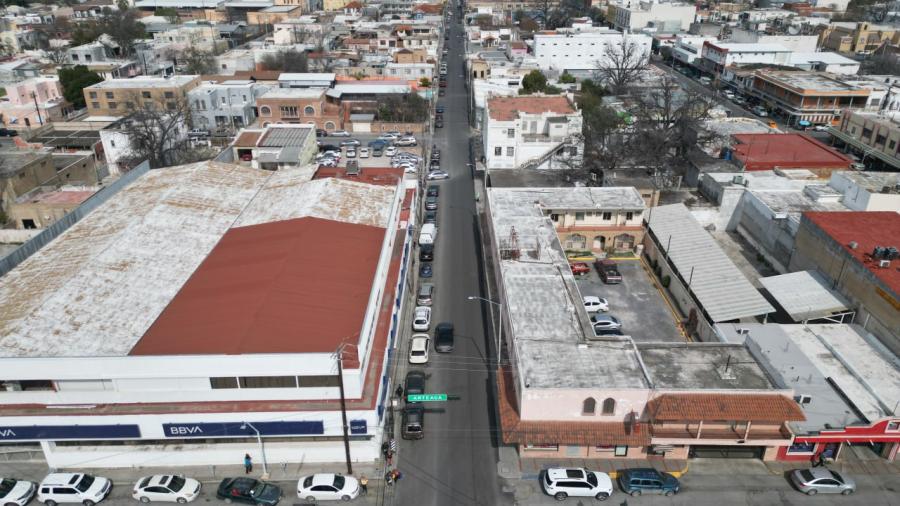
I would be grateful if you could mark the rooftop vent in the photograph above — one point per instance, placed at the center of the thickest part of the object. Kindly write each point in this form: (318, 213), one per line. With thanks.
(853, 245)
(803, 399)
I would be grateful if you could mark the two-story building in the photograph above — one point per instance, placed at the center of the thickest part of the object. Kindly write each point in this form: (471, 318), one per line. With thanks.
(531, 132)
(564, 50)
(118, 97)
(666, 17)
(225, 107)
(33, 102)
(718, 55)
(810, 97)
(298, 105)
(874, 137)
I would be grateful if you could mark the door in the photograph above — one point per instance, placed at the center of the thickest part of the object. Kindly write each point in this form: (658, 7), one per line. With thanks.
(726, 452)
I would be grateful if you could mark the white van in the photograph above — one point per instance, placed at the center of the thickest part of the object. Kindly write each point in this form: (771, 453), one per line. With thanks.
(73, 488)
(428, 234)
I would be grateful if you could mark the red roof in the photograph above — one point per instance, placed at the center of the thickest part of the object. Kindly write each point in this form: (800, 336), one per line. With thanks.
(248, 139)
(507, 108)
(385, 176)
(724, 407)
(868, 229)
(789, 151)
(282, 287)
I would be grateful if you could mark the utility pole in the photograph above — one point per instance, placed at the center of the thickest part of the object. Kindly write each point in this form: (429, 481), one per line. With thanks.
(340, 365)
(36, 108)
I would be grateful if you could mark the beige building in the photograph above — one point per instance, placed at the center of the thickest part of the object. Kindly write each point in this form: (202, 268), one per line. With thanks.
(43, 207)
(871, 135)
(118, 97)
(856, 38)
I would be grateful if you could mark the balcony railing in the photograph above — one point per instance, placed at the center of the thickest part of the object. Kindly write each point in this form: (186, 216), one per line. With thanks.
(767, 433)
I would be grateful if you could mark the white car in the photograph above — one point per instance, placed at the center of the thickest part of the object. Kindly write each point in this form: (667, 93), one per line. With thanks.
(81, 488)
(388, 136)
(576, 482)
(821, 128)
(418, 349)
(409, 169)
(351, 153)
(327, 487)
(166, 488)
(16, 492)
(593, 304)
(437, 175)
(604, 322)
(363, 152)
(390, 151)
(422, 319)
(406, 141)
(340, 133)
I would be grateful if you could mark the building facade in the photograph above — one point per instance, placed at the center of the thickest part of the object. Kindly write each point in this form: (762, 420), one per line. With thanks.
(118, 97)
(224, 107)
(874, 137)
(586, 50)
(807, 96)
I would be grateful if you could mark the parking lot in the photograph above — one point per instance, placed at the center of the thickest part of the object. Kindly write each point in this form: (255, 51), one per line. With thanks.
(636, 302)
(364, 139)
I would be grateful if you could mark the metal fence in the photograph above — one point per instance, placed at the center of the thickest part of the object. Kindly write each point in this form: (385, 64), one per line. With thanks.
(20, 254)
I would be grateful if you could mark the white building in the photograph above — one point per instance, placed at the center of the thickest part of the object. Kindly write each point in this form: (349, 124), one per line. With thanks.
(197, 302)
(664, 17)
(585, 50)
(117, 146)
(824, 61)
(531, 132)
(722, 55)
(688, 48)
(229, 105)
(802, 43)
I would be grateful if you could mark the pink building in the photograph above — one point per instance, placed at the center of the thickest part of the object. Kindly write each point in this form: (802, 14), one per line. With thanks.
(33, 102)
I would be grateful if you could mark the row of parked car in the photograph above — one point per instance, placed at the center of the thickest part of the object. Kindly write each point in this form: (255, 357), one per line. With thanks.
(87, 489)
(603, 324)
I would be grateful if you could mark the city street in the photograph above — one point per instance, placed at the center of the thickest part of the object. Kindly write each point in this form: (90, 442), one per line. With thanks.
(455, 463)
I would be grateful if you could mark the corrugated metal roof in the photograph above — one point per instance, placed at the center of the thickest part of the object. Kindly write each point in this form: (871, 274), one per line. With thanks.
(804, 295)
(719, 285)
(287, 136)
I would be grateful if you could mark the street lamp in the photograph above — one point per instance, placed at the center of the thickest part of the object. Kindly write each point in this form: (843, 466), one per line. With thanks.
(500, 333)
(262, 449)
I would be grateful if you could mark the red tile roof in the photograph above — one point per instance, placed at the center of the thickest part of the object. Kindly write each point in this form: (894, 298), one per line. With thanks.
(507, 108)
(353, 5)
(867, 229)
(429, 8)
(385, 176)
(247, 139)
(724, 407)
(790, 151)
(281, 287)
(517, 431)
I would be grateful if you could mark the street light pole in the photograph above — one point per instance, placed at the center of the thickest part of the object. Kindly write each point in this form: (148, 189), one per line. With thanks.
(340, 366)
(262, 449)
(500, 332)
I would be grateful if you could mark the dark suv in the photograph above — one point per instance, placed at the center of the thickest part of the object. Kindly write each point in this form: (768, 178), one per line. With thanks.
(443, 337)
(647, 481)
(413, 423)
(608, 272)
(426, 252)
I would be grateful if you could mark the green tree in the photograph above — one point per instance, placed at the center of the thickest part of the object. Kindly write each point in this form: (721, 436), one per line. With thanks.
(566, 78)
(425, 82)
(170, 13)
(74, 80)
(533, 82)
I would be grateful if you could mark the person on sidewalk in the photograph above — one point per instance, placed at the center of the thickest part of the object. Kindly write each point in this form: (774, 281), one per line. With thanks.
(364, 485)
(396, 475)
(399, 391)
(389, 478)
(248, 464)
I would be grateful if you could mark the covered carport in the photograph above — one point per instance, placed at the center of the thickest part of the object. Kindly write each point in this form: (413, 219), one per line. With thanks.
(805, 296)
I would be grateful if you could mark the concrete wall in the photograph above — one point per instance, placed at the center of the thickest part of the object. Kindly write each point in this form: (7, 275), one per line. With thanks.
(567, 404)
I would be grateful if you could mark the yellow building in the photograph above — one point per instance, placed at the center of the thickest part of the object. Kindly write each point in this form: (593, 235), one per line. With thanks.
(118, 97)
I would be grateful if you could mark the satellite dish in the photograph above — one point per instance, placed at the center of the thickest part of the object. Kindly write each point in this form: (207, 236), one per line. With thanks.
(793, 30)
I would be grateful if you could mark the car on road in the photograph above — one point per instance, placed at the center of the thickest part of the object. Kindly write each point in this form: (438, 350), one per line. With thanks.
(340, 133)
(426, 251)
(443, 84)
(433, 191)
(248, 491)
(760, 111)
(576, 482)
(608, 272)
(327, 487)
(641, 481)
(439, 123)
(425, 271)
(821, 128)
(321, 133)
(418, 349)
(363, 152)
(58, 488)
(16, 492)
(431, 217)
(422, 319)
(580, 268)
(439, 109)
(437, 175)
(413, 422)
(592, 304)
(415, 383)
(821, 480)
(431, 203)
(166, 488)
(602, 321)
(441, 92)
(443, 337)
(350, 142)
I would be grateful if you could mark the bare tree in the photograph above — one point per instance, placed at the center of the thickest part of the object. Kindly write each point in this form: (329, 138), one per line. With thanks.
(157, 132)
(621, 65)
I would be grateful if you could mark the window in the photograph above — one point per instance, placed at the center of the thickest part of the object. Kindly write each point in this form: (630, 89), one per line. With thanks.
(224, 382)
(289, 111)
(267, 382)
(265, 111)
(95, 105)
(224, 101)
(801, 448)
(541, 447)
(893, 426)
(579, 216)
(170, 106)
(169, 94)
(607, 216)
(129, 105)
(498, 151)
(609, 406)
(621, 451)
(880, 139)
(511, 133)
(318, 381)
(309, 110)
(892, 144)
(510, 151)
(93, 94)
(589, 406)
(145, 94)
(554, 217)
(113, 105)
(109, 95)
(244, 98)
(629, 216)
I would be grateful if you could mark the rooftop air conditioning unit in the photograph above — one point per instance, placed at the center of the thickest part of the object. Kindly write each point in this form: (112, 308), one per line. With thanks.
(853, 245)
(803, 399)
(884, 264)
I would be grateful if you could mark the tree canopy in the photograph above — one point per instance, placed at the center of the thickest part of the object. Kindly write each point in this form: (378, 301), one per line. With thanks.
(73, 81)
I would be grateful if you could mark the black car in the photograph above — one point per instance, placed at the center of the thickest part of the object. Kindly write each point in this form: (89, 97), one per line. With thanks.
(439, 124)
(433, 191)
(441, 93)
(439, 109)
(321, 133)
(431, 217)
(5, 132)
(329, 147)
(425, 271)
(426, 252)
(413, 422)
(415, 383)
(248, 491)
(443, 337)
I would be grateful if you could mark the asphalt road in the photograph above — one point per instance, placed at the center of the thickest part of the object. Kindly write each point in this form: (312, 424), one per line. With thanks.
(455, 463)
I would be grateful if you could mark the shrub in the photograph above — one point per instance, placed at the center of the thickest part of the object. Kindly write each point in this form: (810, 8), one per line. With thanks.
(665, 281)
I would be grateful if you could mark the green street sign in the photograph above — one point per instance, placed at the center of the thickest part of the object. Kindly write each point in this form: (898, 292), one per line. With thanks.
(426, 397)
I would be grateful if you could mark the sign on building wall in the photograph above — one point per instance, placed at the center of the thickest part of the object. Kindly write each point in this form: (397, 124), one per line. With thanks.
(55, 432)
(240, 429)
(359, 427)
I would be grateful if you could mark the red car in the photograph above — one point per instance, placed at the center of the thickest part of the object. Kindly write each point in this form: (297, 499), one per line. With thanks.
(443, 84)
(580, 268)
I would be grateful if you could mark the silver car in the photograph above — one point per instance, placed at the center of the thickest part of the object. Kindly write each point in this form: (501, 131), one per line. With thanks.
(822, 480)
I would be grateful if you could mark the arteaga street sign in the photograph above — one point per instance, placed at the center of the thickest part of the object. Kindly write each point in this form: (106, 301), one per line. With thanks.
(426, 397)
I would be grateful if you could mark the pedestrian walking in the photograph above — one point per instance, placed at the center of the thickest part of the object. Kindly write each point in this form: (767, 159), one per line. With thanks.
(389, 457)
(248, 464)
(399, 391)
(396, 475)
(364, 485)
(389, 478)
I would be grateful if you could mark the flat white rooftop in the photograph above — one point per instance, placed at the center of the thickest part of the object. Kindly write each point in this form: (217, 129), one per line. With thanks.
(804, 295)
(145, 82)
(293, 93)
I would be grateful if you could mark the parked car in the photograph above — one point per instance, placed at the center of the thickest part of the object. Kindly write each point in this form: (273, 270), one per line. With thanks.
(441, 92)
(439, 123)
(608, 332)
(760, 111)
(821, 128)
(593, 304)
(166, 488)
(406, 141)
(431, 203)
(425, 296)
(390, 151)
(431, 217)
(363, 152)
(248, 491)
(433, 191)
(418, 349)
(350, 142)
(647, 481)
(443, 337)
(439, 109)
(422, 319)
(443, 84)
(340, 133)
(437, 175)
(605, 322)
(351, 153)
(6, 132)
(389, 136)
(425, 271)
(329, 147)
(580, 268)
(413, 422)
(415, 383)
(327, 487)
(822, 480)
(16, 492)
(576, 482)
(81, 488)
(608, 271)
(426, 251)
(321, 133)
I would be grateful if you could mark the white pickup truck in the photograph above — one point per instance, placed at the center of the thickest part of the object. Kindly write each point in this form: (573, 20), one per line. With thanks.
(428, 234)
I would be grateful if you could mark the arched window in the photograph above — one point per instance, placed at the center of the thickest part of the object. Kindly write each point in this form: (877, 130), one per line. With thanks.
(609, 406)
(309, 110)
(265, 111)
(589, 407)
(576, 241)
(329, 125)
